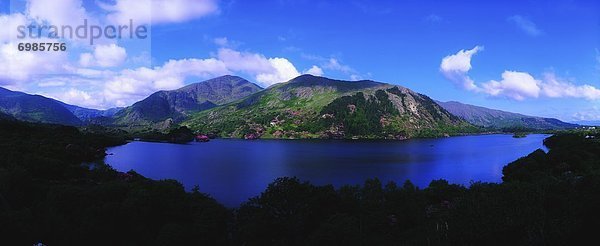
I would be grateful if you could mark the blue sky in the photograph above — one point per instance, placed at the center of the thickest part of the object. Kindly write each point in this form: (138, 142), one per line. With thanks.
(533, 57)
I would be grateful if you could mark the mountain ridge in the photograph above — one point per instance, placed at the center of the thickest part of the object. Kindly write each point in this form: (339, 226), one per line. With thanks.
(318, 107)
(175, 105)
(35, 108)
(299, 100)
(494, 118)
(87, 114)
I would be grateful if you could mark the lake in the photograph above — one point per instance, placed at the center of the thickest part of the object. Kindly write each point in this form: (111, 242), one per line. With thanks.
(233, 170)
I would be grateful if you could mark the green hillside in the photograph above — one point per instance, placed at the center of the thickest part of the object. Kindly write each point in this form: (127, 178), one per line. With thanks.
(317, 107)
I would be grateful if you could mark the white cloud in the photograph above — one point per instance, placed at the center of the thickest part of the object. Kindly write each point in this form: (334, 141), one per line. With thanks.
(514, 85)
(455, 67)
(314, 70)
(244, 61)
(159, 11)
(78, 97)
(19, 66)
(334, 64)
(91, 73)
(588, 114)
(267, 71)
(86, 59)
(221, 41)
(9, 24)
(53, 83)
(57, 12)
(525, 25)
(110, 55)
(555, 87)
(89, 76)
(283, 71)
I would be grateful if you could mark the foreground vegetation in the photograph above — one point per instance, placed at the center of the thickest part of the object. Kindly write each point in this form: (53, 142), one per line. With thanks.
(47, 195)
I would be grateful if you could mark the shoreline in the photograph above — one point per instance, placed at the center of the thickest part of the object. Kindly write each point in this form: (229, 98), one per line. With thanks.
(342, 139)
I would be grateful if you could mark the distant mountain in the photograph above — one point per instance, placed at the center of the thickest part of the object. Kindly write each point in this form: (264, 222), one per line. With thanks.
(486, 117)
(35, 108)
(87, 114)
(587, 122)
(318, 107)
(176, 105)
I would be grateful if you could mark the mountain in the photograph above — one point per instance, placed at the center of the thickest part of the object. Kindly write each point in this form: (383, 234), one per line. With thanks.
(176, 105)
(587, 122)
(35, 108)
(486, 117)
(318, 107)
(87, 114)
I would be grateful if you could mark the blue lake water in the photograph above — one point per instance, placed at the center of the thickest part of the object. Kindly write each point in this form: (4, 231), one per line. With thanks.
(232, 170)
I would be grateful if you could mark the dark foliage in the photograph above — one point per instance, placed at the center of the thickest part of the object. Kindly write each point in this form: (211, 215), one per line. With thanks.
(180, 134)
(364, 116)
(47, 195)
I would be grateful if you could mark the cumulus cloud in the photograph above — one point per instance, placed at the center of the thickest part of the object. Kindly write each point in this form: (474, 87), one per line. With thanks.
(110, 55)
(91, 74)
(9, 24)
(282, 70)
(514, 84)
(244, 61)
(455, 67)
(57, 12)
(267, 71)
(158, 11)
(555, 87)
(20, 66)
(525, 25)
(78, 97)
(314, 70)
